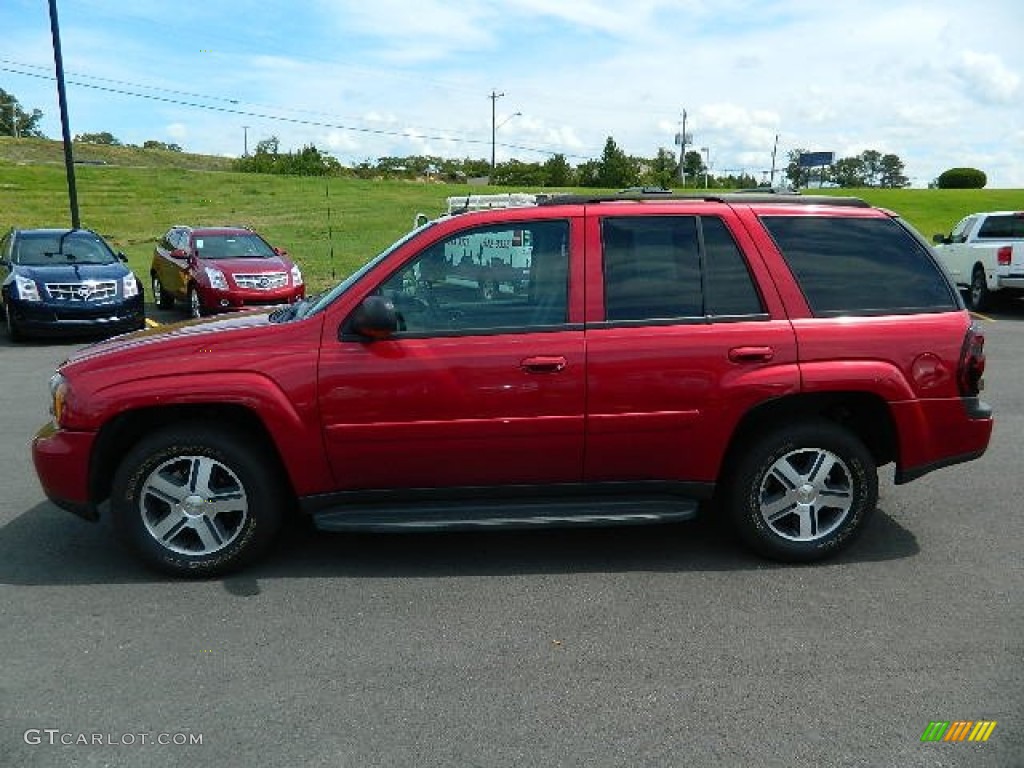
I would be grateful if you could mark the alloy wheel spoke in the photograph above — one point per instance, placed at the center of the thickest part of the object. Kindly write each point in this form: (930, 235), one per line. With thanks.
(200, 474)
(170, 526)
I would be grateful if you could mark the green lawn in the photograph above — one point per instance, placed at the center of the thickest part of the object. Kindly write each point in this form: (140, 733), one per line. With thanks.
(134, 204)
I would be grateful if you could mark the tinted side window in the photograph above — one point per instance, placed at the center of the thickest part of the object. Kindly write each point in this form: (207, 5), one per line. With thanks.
(730, 289)
(511, 276)
(653, 269)
(860, 266)
(1002, 227)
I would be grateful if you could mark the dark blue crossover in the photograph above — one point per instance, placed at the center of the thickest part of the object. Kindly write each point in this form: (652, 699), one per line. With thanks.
(66, 282)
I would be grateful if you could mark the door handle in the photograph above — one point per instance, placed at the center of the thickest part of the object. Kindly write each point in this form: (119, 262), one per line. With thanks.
(751, 354)
(544, 364)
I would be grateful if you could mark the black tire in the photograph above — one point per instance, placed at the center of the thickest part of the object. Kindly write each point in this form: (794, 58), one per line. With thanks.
(165, 488)
(13, 330)
(195, 303)
(161, 298)
(979, 297)
(802, 493)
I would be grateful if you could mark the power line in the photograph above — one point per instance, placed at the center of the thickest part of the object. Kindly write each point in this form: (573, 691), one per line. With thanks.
(407, 134)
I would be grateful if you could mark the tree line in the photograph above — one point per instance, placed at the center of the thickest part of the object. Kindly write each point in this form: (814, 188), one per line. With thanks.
(614, 169)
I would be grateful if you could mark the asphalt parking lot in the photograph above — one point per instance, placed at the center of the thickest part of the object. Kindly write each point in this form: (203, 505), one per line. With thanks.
(664, 646)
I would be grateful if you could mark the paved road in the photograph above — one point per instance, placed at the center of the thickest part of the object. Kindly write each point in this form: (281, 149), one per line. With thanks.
(641, 647)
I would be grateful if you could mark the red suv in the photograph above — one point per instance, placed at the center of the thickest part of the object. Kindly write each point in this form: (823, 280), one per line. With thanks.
(765, 353)
(214, 269)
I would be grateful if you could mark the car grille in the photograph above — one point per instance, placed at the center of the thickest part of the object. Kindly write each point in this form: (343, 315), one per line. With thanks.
(90, 290)
(264, 281)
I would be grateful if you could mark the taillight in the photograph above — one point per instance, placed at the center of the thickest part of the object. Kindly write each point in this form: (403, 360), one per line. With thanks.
(1004, 255)
(971, 371)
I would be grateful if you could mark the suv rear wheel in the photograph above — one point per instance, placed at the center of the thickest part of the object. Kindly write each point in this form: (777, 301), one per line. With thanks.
(801, 493)
(194, 501)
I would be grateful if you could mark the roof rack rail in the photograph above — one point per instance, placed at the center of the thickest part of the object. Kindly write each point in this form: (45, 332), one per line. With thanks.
(727, 197)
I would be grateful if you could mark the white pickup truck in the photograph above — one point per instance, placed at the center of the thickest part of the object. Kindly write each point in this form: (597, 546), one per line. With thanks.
(985, 255)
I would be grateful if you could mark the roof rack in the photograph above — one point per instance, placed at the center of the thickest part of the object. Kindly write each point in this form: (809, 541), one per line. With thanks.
(753, 196)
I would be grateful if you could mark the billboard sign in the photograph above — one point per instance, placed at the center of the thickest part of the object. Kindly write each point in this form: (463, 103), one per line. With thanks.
(816, 159)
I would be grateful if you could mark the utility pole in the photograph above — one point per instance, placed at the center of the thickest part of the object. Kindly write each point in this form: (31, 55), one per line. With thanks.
(771, 181)
(245, 129)
(494, 126)
(681, 140)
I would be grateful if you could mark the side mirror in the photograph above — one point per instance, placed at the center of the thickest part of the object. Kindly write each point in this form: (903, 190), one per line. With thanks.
(374, 319)
(178, 253)
(121, 257)
(939, 239)
(280, 251)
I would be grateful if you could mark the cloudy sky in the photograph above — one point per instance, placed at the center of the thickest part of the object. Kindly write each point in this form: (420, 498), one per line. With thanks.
(939, 83)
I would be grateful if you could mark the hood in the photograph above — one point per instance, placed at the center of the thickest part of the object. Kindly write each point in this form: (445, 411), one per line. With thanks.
(71, 272)
(187, 332)
(248, 266)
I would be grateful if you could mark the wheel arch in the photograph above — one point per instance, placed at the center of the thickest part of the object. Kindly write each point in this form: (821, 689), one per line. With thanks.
(865, 415)
(119, 435)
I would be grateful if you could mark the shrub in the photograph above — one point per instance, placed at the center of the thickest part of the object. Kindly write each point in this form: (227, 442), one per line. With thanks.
(962, 178)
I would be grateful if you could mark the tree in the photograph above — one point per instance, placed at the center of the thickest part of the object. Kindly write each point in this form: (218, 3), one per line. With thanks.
(616, 168)
(798, 176)
(871, 161)
(848, 172)
(152, 144)
(661, 171)
(962, 178)
(891, 173)
(105, 137)
(557, 171)
(693, 165)
(23, 123)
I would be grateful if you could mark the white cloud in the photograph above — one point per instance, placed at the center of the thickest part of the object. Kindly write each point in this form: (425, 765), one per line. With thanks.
(987, 78)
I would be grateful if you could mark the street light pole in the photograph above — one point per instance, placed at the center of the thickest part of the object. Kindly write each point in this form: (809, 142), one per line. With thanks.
(494, 126)
(62, 99)
(707, 164)
(245, 129)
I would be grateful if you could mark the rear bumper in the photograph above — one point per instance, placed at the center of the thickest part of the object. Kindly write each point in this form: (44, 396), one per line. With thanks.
(61, 460)
(940, 433)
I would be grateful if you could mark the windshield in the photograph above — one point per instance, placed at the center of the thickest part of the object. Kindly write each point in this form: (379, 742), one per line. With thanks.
(324, 300)
(44, 249)
(233, 246)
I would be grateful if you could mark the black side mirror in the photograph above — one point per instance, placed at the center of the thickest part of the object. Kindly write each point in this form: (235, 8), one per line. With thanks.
(122, 257)
(374, 319)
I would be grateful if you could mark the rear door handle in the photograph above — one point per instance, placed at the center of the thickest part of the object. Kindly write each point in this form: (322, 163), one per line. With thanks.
(751, 354)
(544, 364)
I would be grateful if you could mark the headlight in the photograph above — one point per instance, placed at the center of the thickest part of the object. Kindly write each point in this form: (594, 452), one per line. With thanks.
(58, 397)
(26, 289)
(216, 278)
(296, 275)
(129, 286)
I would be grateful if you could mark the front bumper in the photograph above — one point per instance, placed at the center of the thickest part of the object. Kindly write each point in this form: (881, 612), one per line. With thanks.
(61, 459)
(70, 318)
(215, 300)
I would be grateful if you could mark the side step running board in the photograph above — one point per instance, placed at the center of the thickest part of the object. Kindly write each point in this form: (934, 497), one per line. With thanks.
(475, 515)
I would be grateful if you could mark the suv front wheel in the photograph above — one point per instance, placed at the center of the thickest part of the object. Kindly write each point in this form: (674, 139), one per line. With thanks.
(194, 501)
(801, 493)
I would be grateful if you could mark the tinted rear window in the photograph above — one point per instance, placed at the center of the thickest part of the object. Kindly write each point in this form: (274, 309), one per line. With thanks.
(848, 266)
(1002, 227)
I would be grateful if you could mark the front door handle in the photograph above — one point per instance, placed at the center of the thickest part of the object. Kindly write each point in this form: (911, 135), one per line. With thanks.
(544, 364)
(751, 354)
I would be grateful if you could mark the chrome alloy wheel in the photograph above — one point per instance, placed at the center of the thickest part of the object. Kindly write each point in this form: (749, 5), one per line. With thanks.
(806, 494)
(195, 303)
(193, 505)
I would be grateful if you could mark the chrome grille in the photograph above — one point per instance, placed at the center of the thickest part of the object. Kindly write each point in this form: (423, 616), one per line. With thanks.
(264, 281)
(89, 290)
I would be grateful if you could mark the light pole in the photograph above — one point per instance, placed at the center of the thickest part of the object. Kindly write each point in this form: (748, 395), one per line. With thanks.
(707, 164)
(245, 129)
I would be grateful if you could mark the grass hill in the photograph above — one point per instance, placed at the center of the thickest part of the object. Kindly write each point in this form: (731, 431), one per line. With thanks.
(331, 227)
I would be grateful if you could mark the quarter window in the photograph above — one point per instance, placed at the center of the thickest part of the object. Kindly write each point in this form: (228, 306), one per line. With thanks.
(853, 266)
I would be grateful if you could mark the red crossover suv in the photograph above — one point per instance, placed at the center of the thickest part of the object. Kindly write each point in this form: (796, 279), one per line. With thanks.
(214, 269)
(605, 361)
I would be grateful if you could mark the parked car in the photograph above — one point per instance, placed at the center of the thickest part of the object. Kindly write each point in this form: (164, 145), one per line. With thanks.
(985, 255)
(763, 353)
(215, 269)
(65, 282)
